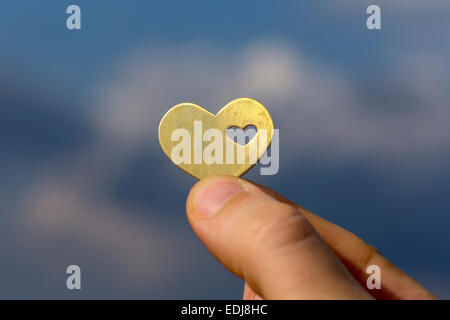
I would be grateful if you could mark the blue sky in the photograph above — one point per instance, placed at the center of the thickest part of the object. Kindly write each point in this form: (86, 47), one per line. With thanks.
(33, 29)
(363, 118)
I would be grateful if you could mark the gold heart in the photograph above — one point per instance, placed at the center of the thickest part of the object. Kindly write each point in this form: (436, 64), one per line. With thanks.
(182, 122)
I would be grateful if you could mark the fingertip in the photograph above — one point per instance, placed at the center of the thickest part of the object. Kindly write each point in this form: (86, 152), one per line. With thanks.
(265, 241)
(210, 194)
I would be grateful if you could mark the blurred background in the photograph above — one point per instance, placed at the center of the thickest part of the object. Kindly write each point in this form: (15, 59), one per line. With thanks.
(363, 117)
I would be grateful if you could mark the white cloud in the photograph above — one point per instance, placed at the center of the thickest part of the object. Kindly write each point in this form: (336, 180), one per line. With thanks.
(59, 216)
(319, 107)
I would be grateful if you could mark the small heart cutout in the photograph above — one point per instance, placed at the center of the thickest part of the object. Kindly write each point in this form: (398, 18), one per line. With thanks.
(189, 135)
(242, 136)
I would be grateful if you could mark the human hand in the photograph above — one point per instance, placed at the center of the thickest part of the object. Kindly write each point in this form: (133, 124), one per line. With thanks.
(283, 251)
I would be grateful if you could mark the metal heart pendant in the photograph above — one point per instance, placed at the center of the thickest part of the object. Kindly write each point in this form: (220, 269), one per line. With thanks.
(197, 141)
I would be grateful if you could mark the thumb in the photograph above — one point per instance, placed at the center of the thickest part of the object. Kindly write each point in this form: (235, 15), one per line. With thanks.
(266, 242)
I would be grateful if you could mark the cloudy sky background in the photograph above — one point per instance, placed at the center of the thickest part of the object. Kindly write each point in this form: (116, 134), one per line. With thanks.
(363, 118)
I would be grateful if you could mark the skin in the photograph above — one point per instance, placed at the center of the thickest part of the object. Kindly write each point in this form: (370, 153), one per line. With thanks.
(283, 251)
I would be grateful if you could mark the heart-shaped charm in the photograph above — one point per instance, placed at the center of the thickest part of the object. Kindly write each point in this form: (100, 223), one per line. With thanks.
(197, 141)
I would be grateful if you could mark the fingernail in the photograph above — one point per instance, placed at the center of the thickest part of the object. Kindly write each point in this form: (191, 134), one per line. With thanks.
(213, 195)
